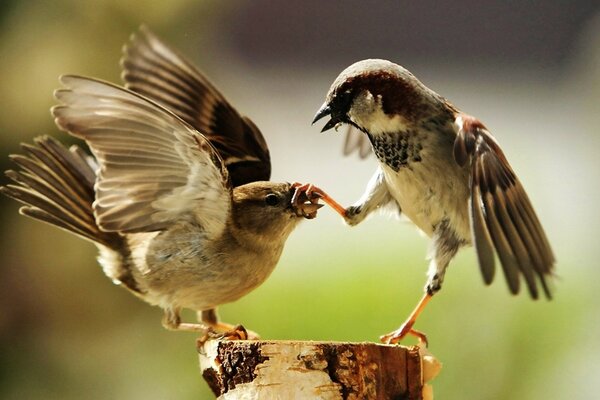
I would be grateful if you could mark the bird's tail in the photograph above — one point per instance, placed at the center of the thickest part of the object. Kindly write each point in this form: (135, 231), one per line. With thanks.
(56, 185)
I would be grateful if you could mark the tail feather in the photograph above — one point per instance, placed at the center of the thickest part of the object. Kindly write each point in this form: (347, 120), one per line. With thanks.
(56, 185)
(71, 181)
(44, 209)
(50, 194)
(62, 163)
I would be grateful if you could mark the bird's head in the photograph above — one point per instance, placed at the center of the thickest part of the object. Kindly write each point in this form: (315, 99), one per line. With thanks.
(376, 96)
(265, 210)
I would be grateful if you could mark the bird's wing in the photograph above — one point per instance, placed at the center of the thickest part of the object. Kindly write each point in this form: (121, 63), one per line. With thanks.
(356, 141)
(153, 167)
(156, 71)
(502, 217)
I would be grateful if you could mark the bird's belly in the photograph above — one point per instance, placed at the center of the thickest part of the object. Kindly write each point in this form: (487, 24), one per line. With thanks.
(186, 272)
(201, 285)
(428, 195)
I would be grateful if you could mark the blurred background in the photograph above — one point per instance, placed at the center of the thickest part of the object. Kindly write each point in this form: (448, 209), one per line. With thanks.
(529, 70)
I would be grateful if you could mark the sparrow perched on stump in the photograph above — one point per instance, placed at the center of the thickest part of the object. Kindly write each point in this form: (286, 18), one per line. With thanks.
(176, 196)
(442, 169)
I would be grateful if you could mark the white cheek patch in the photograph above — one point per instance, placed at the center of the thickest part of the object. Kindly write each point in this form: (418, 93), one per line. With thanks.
(367, 112)
(381, 123)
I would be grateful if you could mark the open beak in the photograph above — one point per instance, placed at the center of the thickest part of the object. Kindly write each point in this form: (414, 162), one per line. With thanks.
(324, 111)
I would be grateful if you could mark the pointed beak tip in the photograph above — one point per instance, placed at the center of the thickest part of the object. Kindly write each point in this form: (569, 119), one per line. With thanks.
(332, 123)
(323, 111)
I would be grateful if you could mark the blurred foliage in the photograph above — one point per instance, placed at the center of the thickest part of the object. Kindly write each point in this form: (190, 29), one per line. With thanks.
(67, 332)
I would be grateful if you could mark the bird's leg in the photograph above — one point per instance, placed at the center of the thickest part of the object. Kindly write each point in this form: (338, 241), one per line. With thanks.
(208, 325)
(445, 244)
(376, 195)
(407, 327)
(313, 194)
(223, 330)
(172, 321)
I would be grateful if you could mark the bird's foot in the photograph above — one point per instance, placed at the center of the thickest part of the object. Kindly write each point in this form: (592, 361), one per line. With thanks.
(353, 215)
(237, 332)
(305, 201)
(407, 327)
(399, 334)
(222, 330)
(312, 193)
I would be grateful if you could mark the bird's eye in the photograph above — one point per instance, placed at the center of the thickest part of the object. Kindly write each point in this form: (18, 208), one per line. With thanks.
(272, 199)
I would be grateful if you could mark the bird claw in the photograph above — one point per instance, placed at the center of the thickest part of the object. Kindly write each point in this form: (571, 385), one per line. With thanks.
(399, 334)
(238, 332)
(311, 193)
(306, 199)
(353, 216)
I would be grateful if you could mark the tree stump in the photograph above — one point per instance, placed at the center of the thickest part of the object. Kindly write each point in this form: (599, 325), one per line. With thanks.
(236, 369)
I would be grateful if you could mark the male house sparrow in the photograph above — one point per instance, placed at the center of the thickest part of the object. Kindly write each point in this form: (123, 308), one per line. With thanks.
(444, 171)
(177, 202)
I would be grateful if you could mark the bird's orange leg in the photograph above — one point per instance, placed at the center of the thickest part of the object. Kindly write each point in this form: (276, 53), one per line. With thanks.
(406, 328)
(214, 329)
(313, 192)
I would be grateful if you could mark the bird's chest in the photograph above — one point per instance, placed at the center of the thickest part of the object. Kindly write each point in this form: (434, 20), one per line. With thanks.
(424, 179)
(181, 267)
(399, 150)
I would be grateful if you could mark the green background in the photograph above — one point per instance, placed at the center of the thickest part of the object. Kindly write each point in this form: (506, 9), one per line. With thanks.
(532, 75)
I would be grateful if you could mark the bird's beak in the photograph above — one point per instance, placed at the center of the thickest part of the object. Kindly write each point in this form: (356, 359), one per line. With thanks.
(324, 111)
(308, 210)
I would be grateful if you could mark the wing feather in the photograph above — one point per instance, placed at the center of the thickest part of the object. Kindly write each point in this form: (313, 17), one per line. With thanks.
(502, 218)
(481, 235)
(154, 167)
(156, 71)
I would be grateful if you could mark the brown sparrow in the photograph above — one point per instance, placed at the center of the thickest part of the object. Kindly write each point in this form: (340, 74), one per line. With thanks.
(444, 171)
(176, 197)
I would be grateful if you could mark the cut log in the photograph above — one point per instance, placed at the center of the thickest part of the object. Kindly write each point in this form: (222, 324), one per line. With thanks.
(316, 370)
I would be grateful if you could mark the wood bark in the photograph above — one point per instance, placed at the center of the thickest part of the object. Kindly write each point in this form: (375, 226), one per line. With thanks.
(316, 370)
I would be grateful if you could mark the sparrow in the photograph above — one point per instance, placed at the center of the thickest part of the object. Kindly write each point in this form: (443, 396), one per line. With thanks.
(176, 196)
(443, 170)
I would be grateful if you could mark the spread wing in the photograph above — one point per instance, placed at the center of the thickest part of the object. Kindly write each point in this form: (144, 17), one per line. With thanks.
(154, 70)
(502, 217)
(356, 141)
(153, 167)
